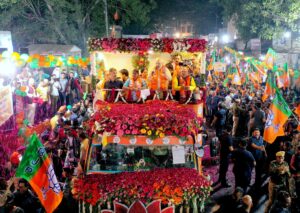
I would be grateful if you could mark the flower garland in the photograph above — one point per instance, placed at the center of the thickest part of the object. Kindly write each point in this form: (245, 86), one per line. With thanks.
(153, 119)
(140, 61)
(175, 186)
(158, 45)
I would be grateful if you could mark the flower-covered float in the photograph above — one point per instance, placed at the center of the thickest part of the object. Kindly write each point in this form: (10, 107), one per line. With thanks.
(143, 157)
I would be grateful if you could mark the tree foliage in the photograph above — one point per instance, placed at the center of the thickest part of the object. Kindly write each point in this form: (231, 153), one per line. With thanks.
(67, 21)
(262, 18)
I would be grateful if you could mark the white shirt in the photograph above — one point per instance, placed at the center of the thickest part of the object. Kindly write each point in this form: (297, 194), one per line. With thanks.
(55, 88)
(228, 101)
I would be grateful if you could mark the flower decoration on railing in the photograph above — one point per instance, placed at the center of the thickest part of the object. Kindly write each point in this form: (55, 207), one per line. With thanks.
(109, 44)
(138, 206)
(143, 44)
(167, 45)
(153, 119)
(181, 46)
(175, 186)
(196, 46)
(127, 45)
(140, 61)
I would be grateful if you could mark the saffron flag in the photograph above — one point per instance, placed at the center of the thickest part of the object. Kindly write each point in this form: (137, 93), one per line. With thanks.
(209, 77)
(236, 77)
(212, 61)
(270, 87)
(36, 167)
(297, 110)
(270, 58)
(278, 114)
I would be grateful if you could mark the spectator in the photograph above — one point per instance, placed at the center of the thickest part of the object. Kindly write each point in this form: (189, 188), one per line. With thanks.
(243, 162)
(259, 117)
(282, 203)
(25, 199)
(219, 120)
(55, 88)
(225, 151)
(230, 203)
(246, 206)
(295, 168)
(257, 148)
(63, 91)
(236, 110)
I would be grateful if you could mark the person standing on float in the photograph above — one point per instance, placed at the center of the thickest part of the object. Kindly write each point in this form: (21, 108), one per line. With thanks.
(159, 78)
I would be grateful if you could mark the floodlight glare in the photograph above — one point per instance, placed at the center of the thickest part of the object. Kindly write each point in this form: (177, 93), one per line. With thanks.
(225, 38)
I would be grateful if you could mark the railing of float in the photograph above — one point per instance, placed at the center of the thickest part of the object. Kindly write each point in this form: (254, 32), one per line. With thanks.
(120, 96)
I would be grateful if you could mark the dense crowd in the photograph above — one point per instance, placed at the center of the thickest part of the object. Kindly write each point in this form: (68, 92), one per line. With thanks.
(238, 116)
(235, 113)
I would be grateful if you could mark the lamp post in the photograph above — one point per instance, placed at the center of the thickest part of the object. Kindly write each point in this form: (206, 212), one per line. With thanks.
(106, 17)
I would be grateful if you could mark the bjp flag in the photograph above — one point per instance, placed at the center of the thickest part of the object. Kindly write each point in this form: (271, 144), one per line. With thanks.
(270, 58)
(278, 114)
(236, 77)
(36, 167)
(297, 110)
(270, 87)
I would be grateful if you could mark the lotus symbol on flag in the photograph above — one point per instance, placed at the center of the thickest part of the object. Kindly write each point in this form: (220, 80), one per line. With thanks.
(53, 183)
(270, 121)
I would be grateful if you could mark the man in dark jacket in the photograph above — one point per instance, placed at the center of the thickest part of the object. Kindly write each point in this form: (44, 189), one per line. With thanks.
(243, 164)
(225, 151)
(25, 199)
(219, 120)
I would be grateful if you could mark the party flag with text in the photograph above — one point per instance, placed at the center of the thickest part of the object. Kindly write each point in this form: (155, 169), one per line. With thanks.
(279, 112)
(36, 167)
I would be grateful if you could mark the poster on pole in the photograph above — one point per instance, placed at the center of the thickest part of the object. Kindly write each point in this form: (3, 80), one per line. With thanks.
(6, 104)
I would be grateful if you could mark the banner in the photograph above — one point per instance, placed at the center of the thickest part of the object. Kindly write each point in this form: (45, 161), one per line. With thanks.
(6, 104)
(220, 67)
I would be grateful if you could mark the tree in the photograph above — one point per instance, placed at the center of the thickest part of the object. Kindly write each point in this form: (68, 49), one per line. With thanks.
(67, 21)
(265, 19)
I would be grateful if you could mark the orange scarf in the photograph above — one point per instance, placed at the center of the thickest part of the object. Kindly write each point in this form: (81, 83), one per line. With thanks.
(158, 76)
(184, 82)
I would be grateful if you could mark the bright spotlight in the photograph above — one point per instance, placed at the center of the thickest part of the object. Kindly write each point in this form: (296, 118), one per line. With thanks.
(150, 52)
(287, 34)
(225, 38)
(100, 56)
(177, 35)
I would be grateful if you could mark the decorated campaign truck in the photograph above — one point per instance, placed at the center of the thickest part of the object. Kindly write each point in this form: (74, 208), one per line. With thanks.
(145, 155)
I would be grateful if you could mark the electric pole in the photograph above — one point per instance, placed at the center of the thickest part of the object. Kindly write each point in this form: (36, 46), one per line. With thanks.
(106, 17)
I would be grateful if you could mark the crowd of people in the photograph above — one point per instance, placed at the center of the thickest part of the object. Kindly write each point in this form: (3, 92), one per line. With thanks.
(235, 113)
(238, 116)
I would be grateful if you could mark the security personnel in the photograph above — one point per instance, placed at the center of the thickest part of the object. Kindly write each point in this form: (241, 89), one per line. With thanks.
(279, 177)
